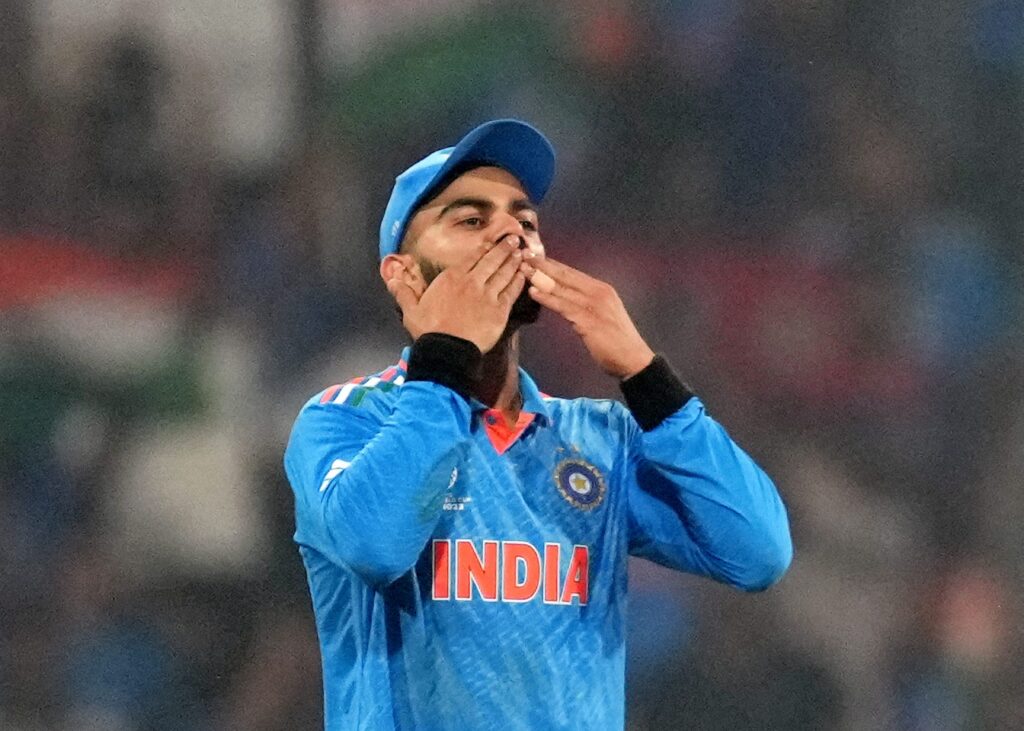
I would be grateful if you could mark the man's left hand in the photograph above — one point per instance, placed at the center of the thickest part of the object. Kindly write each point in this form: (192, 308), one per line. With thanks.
(595, 311)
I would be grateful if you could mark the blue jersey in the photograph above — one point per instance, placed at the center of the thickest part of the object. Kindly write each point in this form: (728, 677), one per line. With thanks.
(470, 574)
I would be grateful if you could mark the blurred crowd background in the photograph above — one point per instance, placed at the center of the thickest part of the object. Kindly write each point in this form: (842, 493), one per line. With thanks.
(816, 209)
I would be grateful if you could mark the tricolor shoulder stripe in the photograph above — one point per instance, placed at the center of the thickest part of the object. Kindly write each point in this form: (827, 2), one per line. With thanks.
(353, 392)
(330, 393)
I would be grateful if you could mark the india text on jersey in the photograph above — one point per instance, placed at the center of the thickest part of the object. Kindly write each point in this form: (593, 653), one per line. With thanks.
(508, 571)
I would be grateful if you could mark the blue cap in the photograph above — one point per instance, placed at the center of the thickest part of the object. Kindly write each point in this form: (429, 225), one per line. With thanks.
(505, 143)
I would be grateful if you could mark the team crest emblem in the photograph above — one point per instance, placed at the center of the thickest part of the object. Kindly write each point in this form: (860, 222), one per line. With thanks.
(581, 484)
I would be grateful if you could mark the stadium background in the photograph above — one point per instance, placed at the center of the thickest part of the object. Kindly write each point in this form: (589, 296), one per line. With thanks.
(815, 208)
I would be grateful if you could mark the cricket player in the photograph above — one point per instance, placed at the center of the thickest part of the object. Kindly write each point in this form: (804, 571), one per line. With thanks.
(465, 535)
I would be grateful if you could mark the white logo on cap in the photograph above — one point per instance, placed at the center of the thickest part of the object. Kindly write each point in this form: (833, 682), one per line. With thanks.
(394, 228)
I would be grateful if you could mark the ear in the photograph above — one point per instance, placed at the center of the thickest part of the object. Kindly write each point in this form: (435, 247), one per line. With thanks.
(401, 266)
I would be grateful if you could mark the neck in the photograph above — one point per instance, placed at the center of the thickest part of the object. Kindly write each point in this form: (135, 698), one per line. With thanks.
(498, 386)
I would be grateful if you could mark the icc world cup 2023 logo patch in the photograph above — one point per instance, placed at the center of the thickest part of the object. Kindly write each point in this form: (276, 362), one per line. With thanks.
(580, 483)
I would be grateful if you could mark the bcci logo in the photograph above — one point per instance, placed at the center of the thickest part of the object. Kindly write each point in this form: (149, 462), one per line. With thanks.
(580, 484)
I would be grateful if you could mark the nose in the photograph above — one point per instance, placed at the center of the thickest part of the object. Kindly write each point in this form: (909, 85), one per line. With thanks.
(510, 226)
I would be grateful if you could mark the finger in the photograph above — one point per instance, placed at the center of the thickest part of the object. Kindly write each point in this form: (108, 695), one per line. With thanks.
(403, 294)
(565, 274)
(566, 308)
(534, 247)
(487, 264)
(543, 282)
(546, 284)
(514, 287)
(504, 274)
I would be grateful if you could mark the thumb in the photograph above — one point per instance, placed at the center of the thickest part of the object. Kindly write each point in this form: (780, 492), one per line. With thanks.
(403, 294)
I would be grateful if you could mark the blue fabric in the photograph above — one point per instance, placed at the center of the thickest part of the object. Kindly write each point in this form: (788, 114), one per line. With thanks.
(400, 650)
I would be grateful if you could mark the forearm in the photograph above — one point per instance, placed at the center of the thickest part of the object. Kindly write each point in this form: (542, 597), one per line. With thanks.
(380, 509)
(729, 510)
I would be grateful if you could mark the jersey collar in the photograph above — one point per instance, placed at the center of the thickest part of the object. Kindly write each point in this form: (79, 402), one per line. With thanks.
(533, 399)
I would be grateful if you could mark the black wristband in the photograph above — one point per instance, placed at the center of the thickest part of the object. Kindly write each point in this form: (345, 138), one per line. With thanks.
(655, 393)
(445, 359)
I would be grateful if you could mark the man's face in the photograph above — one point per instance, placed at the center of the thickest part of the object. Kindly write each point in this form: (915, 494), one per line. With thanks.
(475, 211)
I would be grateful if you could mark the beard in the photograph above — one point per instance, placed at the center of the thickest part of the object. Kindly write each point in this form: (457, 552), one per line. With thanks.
(525, 310)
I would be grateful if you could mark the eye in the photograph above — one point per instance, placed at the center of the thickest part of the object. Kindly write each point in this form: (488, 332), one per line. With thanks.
(472, 221)
(528, 225)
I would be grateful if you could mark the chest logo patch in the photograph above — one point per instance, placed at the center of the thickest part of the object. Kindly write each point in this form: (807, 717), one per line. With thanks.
(580, 483)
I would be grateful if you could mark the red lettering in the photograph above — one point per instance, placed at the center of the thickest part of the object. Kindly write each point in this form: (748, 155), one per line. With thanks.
(519, 576)
(442, 570)
(578, 576)
(513, 555)
(552, 565)
(471, 569)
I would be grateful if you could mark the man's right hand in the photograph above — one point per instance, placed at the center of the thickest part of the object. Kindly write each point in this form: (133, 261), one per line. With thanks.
(471, 301)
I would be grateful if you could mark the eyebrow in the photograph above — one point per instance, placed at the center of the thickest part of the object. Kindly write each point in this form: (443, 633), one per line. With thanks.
(482, 204)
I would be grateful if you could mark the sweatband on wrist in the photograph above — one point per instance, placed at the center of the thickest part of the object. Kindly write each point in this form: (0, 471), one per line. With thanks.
(655, 393)
(446, 360)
